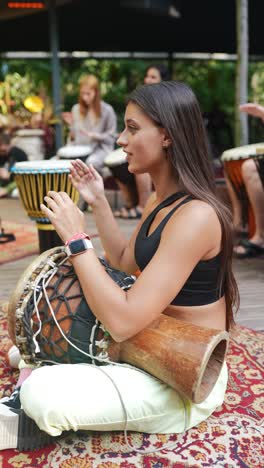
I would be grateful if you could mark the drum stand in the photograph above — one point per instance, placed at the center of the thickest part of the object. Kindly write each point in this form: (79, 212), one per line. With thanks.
(48, 237)
(4, 236)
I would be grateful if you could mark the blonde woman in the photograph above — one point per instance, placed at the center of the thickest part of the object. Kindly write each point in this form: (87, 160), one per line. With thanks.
(92, 121)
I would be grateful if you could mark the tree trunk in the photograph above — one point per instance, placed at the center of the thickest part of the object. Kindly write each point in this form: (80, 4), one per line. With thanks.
(241, 119)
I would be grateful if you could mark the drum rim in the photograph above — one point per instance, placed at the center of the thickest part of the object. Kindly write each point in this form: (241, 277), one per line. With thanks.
(24, 290)
(41, 166)
(254, 154)
(29, 132)
(87, 150)
(120, 160)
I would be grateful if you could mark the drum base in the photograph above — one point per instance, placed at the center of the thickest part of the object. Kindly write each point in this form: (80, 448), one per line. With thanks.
(48, 239)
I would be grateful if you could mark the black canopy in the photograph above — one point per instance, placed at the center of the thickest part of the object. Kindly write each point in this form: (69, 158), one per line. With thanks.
(113, 25)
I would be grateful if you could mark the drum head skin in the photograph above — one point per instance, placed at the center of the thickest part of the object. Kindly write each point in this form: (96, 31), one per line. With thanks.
(30, 132)
(242, 152)
(39, 167)
(74, 151)
(115, 158)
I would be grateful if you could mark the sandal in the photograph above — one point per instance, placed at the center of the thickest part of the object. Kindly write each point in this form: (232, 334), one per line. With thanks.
(132, 213)
(241, 233)
(122, 212)
(250, 249)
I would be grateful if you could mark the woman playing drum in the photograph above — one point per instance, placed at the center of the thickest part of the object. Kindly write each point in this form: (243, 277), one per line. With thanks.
(182, 245)
(248, 182)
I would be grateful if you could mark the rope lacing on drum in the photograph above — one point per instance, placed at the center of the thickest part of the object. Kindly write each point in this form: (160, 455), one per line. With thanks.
(41, 278)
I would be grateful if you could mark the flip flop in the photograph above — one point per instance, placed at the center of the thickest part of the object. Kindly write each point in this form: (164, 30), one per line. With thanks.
(250, 249)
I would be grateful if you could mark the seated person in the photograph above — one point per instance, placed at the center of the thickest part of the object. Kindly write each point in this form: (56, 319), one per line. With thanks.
(37, 121)
(253, 175)
(182, 245)
(9, 155)
(92, 122)
(137, 194)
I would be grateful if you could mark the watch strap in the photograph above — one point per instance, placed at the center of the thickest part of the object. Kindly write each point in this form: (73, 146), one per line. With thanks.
(87, 243)
(78, 235)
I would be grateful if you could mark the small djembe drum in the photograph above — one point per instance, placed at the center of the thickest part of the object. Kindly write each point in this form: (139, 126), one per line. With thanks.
(50, 321)
(72, 151)
(34, 179)
(233, 160)
(118, 165)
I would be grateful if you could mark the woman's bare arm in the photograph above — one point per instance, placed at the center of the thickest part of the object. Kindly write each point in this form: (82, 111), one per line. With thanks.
(196, 232)
(253, 109)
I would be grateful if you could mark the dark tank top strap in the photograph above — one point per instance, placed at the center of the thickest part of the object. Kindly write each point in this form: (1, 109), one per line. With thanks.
(160, 227)
(168, 201)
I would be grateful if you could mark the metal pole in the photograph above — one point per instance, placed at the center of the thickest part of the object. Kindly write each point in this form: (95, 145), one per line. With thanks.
(54, 46)
(241, 121)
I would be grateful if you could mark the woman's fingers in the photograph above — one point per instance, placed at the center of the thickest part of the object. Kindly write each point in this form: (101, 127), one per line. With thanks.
(49, 213)
(94, 173)
(80, 169)
(56, 199)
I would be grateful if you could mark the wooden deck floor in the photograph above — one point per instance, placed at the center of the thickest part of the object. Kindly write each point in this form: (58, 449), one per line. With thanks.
(249, 273)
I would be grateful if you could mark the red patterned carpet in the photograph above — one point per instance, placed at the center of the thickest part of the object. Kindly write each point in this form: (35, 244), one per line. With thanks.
(26, 242)
(231, 437)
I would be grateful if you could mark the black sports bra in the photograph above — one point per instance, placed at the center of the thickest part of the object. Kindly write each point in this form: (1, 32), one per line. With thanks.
(202, 286)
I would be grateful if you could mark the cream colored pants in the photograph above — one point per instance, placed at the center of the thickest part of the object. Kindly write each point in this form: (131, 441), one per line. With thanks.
(79, 396)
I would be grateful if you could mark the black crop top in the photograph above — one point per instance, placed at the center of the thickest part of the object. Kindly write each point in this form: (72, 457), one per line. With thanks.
(202, 286)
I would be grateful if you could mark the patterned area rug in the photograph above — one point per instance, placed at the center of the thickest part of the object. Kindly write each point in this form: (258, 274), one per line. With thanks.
(231, 437)
(26, 242)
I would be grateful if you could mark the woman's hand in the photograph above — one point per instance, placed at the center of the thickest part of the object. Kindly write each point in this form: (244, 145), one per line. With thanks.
(252, 108)
(92, 135)
(87, 181)
(65, 216)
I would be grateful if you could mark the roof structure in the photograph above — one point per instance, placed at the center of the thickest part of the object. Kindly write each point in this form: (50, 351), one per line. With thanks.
(134, 25)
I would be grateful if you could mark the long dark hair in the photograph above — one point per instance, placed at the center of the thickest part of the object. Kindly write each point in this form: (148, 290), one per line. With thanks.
(173, 106)
(162, 69)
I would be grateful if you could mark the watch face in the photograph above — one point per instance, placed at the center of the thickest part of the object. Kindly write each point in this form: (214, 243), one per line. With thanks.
(77, 246)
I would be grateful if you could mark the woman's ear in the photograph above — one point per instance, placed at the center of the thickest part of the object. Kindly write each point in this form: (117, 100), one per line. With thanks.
(166, 141)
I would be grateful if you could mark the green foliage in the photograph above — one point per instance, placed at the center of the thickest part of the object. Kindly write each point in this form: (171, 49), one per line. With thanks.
(212, 81)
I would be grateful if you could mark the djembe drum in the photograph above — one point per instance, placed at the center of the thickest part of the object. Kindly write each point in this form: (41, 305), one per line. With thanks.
(30, 140)
(232, 160)
(34, 179)
(118, 165)
(50, 321)
(72, 151)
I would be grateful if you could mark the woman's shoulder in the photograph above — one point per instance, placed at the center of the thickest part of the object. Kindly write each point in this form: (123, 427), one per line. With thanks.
(200, 211)
(198, 224)
(107, 108)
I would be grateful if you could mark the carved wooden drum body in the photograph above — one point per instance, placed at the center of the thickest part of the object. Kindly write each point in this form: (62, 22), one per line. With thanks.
(233, 160)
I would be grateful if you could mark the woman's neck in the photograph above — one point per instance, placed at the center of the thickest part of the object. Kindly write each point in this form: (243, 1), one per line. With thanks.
(165, 184)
